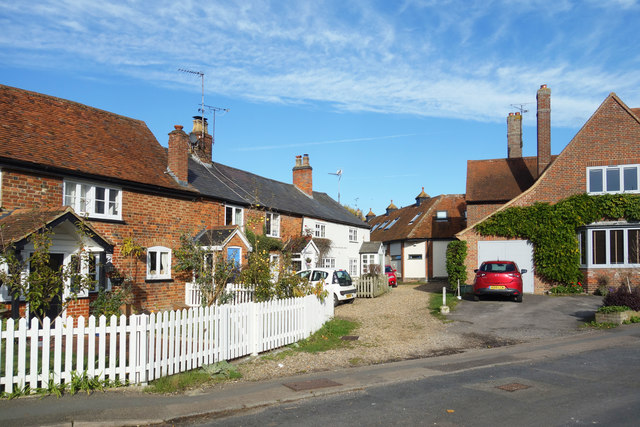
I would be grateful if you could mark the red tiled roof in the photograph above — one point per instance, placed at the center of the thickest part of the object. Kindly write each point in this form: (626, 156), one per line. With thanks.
(419, 222)
(19, 224)
(497, 180)
(52, 132)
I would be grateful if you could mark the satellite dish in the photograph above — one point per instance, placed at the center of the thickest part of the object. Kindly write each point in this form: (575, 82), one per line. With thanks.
(193, 138)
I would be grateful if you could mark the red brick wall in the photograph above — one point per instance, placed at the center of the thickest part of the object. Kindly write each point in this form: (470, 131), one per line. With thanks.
(476, 212)
(150, 220)
(610, 137)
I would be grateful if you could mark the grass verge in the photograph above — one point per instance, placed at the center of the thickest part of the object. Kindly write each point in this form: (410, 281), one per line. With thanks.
(209, 374)
(327, 337)
(435, 301)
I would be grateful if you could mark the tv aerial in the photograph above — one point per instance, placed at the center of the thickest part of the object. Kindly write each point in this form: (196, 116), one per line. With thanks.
(521, 108)
(214, 110)
(338, 173)
(201, 74)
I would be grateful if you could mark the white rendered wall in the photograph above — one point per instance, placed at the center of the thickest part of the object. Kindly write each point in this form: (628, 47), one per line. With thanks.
(414, 268)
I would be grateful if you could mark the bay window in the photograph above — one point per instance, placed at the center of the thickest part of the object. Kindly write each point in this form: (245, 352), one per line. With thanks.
(610, 247)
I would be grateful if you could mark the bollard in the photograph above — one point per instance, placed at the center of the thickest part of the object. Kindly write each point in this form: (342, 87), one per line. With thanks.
(444, 309)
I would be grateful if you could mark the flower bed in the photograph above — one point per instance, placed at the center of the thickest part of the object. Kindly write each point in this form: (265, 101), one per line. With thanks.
(618, 317)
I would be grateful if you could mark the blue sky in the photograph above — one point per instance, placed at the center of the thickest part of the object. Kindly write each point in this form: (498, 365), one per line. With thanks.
(397, 94)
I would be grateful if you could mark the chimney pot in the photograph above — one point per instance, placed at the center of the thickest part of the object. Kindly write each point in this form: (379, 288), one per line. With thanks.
(178, 127)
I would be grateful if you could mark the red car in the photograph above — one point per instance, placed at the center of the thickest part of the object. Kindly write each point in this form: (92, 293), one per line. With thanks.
(498, 278)
(391, 274)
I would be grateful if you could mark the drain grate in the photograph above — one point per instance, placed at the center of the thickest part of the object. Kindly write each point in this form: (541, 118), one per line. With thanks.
(349, 338)
(311, 384)
(513, 387)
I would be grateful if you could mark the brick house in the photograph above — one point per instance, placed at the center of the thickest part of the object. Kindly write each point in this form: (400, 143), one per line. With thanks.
(111, 170)
(603, 157)
(416, 236)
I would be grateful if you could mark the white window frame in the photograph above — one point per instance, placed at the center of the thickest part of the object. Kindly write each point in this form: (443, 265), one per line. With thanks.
(87, 205)
(273, 219)
(441, 215)
(353, 234)
(274, 266)
(158, 251)
(328, 263)
(320, 231)
(621, 171)
(353, 267)
(236, 211)
(587, 233)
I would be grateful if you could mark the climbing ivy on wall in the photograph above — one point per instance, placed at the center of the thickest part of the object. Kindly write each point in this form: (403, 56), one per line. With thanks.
(553, 229)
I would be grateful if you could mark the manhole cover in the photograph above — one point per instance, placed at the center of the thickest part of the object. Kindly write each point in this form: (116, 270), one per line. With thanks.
(513, 387)
(350, 338)
(311, 384)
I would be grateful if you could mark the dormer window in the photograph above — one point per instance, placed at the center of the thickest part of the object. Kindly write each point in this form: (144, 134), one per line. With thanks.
(95, 201)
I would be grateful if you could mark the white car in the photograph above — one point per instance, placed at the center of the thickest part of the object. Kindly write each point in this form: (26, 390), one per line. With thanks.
(336, 282)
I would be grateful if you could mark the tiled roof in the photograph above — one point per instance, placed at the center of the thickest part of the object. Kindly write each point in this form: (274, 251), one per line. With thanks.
(40, 130)
(370, 247)
(500, 180)
(419, 221)
(17, 225)
(247, 189)
(215, 236)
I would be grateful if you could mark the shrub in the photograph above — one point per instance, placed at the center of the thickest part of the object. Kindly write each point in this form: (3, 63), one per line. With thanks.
(622, 296)
(613, 309)
(573, 288)
(456, 255)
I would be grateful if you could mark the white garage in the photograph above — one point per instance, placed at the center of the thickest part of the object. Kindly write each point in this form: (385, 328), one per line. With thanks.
(519, 251)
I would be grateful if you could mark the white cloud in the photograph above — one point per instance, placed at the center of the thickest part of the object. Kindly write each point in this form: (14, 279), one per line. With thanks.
(430, 58)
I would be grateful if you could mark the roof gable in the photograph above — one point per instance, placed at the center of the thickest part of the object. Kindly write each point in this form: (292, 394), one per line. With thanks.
(39, 130)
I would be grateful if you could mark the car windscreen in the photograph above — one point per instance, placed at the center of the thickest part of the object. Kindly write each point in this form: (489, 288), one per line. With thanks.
(495, 267)
(388, 270)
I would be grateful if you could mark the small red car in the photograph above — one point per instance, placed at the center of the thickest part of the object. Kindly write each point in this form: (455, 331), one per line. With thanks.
(498, 278)
(391, 274)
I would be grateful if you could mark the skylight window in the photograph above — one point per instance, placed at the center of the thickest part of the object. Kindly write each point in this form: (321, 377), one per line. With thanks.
(414, 218)
(375, 227)
(383, 224)
(391, 224)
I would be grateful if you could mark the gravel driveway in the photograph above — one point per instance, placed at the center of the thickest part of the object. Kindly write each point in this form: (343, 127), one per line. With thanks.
(398, 326)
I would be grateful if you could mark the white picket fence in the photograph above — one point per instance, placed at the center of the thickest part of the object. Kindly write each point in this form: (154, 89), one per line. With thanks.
(146, 347)
(372, 286)
(241, 294)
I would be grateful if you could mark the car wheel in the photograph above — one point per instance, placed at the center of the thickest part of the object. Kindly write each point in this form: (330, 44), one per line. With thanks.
(351, 301)
(335, 300)
(476, 297)
(518, 298)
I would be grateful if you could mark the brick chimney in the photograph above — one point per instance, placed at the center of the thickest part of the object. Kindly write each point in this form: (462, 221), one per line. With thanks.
(514, 135)
(202, 146)
(178, 162)
(544, 128)
(302, 176)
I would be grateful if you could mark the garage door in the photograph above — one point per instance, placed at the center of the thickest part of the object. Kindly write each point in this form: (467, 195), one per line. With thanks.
(519, 251)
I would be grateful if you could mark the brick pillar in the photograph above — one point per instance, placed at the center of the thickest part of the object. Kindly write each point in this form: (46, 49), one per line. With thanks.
(302, 175)
(544, 128)
(178, 162)
(514, 135)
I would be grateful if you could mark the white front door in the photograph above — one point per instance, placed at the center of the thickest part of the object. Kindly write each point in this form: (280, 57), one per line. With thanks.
(518, 251)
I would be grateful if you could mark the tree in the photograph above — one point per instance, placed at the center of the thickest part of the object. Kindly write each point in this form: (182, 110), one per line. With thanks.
(356, 212)
(39, 280)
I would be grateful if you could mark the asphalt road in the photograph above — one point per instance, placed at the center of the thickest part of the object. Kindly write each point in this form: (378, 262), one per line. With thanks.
(537, 317)
(597, 387)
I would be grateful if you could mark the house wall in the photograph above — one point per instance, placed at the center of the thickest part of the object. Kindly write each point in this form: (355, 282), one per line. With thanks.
(610, 137)
(475, 212)
(414, 268)
(151, 220)
(342, 249)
